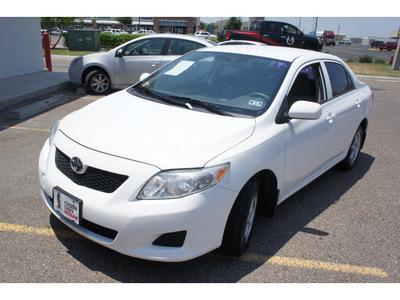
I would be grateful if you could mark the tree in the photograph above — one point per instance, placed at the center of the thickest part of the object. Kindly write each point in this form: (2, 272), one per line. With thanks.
(125, 21)
(234, 23)
(49, 23)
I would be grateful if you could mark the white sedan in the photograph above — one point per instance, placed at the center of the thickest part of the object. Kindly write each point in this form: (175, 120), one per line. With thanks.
(177, 165)
(122, 66)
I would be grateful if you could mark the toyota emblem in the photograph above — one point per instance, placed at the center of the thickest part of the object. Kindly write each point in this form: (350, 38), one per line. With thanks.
(77, 166)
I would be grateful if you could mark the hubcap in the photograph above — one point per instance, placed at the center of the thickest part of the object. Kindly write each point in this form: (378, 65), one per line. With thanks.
(355, 147)
(250, 216)
(100, 83)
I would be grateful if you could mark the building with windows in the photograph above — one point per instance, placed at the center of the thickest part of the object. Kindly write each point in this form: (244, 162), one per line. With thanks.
(180, 25)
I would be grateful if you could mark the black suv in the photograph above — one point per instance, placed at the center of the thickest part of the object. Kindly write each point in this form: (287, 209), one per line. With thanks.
(275, 33)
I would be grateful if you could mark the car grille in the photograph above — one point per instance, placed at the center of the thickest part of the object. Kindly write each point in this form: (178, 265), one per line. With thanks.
(93, 178)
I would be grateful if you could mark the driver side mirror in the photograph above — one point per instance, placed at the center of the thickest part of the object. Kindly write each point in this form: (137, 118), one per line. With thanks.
(305, 110)
(144, 76)
(120, 53)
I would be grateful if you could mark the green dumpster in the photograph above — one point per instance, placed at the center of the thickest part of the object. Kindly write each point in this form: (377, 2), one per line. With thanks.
(83, 40)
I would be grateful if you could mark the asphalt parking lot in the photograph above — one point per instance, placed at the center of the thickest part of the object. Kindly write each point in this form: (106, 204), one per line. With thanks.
(343, 227)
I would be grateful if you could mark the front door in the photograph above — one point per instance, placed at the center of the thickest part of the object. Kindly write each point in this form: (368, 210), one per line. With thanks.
(143, 56)
(309, 143)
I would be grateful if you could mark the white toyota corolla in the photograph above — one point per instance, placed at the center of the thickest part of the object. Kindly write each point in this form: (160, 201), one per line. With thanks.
(178, 164)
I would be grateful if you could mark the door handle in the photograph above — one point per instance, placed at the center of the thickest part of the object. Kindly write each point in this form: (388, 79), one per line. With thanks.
(153, 63)
(358, 103)
(283, 36)
(331, 117)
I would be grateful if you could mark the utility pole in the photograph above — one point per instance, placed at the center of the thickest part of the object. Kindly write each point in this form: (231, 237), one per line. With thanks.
(396, 59)
(316, 24)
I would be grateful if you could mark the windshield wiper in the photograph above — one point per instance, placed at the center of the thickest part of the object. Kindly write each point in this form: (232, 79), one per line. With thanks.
(209, 106)
(158, 97)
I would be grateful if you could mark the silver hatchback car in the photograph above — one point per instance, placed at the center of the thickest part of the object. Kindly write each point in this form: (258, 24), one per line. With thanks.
(122, 66)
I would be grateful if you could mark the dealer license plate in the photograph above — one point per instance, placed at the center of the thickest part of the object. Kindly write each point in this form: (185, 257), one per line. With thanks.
(68, 206)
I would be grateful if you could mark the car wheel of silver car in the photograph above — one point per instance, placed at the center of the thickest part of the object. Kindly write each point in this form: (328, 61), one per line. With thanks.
(240, 222)
(98, 82)
(354, 150)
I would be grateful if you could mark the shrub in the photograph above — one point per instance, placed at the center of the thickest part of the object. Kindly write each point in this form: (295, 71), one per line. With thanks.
(379, 61)
(365, 59)
(109, 41)
(65, 39)
(351, 59)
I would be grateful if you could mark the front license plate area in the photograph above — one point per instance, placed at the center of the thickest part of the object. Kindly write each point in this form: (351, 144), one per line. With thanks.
(68, 206)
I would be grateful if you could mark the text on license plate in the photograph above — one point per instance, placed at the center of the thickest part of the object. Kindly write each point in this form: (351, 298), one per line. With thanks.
(69, 207)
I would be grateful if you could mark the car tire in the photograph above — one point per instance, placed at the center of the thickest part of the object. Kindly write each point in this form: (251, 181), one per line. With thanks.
(98, 82)
(354, 150)
(240, 221)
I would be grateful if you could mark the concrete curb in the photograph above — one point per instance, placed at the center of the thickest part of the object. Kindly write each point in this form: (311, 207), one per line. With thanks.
(30, 110)
(382, 78)
(25, 87)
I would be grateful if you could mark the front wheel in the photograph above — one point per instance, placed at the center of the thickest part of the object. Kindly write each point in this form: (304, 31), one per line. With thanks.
(354, 150)
(240, 221)
(98, 82)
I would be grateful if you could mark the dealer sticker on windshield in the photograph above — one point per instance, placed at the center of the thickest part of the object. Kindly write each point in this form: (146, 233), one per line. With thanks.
(68, 206)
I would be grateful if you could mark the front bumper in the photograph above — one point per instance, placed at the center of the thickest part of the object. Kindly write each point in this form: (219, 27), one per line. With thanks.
(75, 71)
(137, 223)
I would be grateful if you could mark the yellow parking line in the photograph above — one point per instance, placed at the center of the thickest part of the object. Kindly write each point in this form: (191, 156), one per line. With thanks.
(65, 233)
(25, 128)
(247, 257)
(313, 264)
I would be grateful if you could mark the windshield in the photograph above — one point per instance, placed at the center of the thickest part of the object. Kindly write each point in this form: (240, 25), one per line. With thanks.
(235, 84)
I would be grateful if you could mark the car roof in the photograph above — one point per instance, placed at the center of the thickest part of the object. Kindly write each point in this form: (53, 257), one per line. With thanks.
(177, 36)
(275, 52)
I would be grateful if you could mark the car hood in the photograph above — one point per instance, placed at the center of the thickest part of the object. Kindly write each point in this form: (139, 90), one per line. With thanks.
(165, 136)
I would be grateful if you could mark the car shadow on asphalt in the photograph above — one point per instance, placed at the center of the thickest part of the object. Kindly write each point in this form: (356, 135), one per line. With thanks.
(269, 236)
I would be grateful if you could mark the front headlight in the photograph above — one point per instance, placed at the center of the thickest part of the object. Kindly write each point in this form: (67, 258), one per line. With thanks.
(180, 183)
(53, 131)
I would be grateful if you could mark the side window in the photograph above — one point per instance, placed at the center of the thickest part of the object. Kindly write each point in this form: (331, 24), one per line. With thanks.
(289, 29)
(307, 86)
(180, 47)
(145, 47)
(340, 79)
(273, 28)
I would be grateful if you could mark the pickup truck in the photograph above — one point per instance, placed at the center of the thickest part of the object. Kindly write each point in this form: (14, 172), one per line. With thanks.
(275, 33)
(376, 43)
(389, 46)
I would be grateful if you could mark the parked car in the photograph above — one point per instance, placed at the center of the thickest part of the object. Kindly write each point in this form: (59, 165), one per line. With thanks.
(123, 65)
(202, 34)
(376, 44)
(345, 42)
(56, 31)
(114, 31)
(242, 42)
(143, 31)
(389, 46)
(178, 164)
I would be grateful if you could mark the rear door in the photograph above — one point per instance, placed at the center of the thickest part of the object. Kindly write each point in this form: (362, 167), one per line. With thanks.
(347, 105)
(177, 47)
